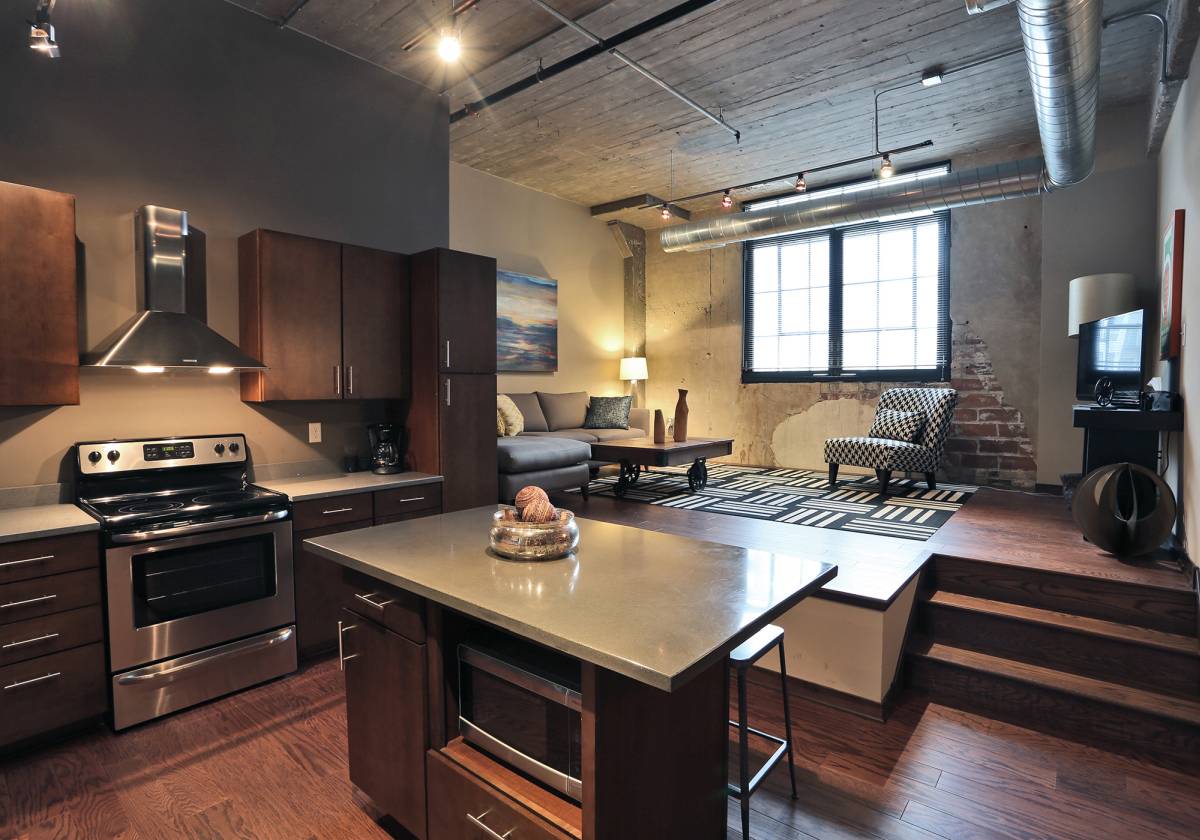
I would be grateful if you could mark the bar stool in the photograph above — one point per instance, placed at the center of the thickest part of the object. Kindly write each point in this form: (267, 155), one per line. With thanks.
(742, 657)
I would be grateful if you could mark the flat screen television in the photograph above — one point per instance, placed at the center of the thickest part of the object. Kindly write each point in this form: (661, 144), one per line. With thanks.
(1111, 347)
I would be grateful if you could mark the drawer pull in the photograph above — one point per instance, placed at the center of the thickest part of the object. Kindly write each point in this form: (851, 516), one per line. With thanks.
(13, 604)
(33, 681)
(366, 599)
(342, 658)
(414, 499)
(30, 560)
(32, 641)
(478, 822)
(336, 510)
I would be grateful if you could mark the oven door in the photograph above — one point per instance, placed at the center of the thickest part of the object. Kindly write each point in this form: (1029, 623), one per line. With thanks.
(178, 595)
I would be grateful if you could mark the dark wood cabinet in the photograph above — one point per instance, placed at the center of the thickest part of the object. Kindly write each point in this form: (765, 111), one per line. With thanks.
(386, 718)
(320, 593)
(39, 336)
(330, 321)
(450, 420)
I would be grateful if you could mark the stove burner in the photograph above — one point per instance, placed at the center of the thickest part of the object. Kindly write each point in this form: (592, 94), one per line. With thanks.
(150, 507)
(225, 496)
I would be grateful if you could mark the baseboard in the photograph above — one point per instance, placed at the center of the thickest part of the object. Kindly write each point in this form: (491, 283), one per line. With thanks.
(826, 696)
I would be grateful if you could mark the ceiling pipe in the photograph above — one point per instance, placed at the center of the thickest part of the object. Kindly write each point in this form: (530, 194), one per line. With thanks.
(1062, 51)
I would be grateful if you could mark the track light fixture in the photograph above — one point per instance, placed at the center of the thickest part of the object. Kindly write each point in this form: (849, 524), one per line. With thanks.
(801, 184)
(886, 169)
(727, 200)
(41, 32)
(931, 77)
(666, 213)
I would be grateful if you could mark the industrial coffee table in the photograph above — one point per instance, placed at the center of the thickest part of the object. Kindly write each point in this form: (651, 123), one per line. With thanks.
(643, 453)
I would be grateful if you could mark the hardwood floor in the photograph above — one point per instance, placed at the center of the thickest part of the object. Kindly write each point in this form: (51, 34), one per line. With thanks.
(270, 763)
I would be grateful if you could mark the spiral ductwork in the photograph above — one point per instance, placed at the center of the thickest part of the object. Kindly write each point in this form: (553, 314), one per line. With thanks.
(1062, 51)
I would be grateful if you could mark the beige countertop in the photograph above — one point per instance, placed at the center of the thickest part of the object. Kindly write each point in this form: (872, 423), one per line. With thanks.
(31, 523)
(325, 485)
(655, 607)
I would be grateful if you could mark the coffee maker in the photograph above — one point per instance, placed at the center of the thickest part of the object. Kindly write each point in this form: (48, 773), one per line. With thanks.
(385, 448)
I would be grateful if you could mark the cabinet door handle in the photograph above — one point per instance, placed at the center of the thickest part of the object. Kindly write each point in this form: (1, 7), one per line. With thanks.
(13, 604)
(447, 352)
(478, 823)
(342, 658)
(33, 681)
(350, 380)
(366, 599)
(414, 499)
(32, 641)
(337, 379)
(30, 560)
(447, 390)
(336, 510)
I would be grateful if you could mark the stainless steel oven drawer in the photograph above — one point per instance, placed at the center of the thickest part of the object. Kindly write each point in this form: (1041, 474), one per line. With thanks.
(155, 690)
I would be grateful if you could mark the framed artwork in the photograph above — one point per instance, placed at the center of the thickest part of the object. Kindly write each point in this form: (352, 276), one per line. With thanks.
(526, 323)
(1170, 324)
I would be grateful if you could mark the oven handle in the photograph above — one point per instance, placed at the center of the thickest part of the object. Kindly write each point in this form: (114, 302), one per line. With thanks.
(199, 527)
(196, 660)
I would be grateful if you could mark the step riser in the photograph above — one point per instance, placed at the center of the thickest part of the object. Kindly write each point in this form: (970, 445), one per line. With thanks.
(1127, 663)
(1090, 721)
(1155, 609)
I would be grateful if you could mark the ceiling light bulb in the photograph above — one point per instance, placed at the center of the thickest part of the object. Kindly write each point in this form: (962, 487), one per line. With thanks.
(220, 370)
(727, 200)
(886, 169)
(666, 213)
(801, 184)
(41, 38)
(149, 369)
(449, 47)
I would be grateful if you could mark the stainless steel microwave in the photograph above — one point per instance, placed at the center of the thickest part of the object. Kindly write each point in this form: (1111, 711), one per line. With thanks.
(524, 709)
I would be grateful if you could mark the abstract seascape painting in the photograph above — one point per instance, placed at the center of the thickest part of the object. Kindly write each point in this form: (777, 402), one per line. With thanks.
(526, 323)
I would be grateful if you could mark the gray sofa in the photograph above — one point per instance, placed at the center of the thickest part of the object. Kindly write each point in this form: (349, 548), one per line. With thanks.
(554, 452)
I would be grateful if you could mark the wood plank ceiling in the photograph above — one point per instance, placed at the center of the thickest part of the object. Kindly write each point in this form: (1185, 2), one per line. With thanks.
(798, 78)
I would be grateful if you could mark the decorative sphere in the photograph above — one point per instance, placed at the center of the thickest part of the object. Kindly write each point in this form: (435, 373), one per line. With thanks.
(1124, 509)
(526, 495)
(539, 510)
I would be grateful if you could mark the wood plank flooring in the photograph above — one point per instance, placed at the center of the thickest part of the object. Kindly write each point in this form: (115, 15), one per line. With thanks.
(270, 763)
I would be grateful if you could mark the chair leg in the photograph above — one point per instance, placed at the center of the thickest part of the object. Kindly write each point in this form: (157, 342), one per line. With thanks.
(583, 489)
(885, 478)
(743, 754)
(931, 480)
(787, 717)
(833, 468)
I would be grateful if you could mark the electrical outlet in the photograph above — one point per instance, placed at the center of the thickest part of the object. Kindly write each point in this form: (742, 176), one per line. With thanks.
(314, 432)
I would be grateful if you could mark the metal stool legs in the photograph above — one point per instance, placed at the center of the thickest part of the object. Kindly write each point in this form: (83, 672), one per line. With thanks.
(787, 718)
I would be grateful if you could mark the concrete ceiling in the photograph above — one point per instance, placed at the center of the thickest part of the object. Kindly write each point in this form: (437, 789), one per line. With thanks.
(797, 78)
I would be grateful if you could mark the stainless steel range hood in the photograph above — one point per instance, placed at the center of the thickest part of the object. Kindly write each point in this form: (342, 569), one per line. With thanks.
(169, 332)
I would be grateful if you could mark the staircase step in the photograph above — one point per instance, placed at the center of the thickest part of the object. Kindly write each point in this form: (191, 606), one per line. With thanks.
(1132, 720)
(1091, 647)
(1170, 610)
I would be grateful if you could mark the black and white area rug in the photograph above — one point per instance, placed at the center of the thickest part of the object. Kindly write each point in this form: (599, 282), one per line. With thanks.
(801, 497)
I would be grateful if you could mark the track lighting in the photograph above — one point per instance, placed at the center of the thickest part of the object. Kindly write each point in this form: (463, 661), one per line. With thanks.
(666, 213)
(886, 169)
(931, 77)
(41, 32)
(801, 184)
(449, 46)
(727, 200)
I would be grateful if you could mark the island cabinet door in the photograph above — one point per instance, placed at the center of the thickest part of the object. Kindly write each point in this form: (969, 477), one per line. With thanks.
(386, 718)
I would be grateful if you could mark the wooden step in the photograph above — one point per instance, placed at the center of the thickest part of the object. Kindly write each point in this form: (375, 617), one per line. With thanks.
(1091, 647)
(1168, 608)
(1141, 723)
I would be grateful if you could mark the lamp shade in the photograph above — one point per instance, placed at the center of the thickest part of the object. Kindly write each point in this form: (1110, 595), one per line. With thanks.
(634, 368)
(1097, 296)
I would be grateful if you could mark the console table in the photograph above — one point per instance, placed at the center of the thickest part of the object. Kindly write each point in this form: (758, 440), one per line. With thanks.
(1112, 435)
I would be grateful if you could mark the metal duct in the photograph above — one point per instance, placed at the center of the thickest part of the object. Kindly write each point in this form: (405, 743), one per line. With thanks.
(1062, 51)
(998, 182)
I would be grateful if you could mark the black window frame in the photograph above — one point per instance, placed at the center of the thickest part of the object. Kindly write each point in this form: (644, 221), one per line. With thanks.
(834, 372)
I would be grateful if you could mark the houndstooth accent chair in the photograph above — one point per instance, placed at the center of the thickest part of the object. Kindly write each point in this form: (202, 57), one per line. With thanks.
(884, 455)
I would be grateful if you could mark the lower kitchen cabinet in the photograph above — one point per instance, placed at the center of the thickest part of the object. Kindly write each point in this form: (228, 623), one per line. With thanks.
(386, 718)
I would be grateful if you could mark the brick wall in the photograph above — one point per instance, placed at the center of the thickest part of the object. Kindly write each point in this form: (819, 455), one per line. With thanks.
(989, 442)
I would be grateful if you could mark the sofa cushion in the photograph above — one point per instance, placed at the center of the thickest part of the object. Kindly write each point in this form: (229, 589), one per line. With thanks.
(897, 425)
(617, 434)
(880, 454)
(559, 478)
(526, 453)
(585, 435)
(608, 413)
(564, 411)
(531, 411)
(514, 422)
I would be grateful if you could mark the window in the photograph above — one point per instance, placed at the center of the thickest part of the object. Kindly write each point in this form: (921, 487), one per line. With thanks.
(867, 301)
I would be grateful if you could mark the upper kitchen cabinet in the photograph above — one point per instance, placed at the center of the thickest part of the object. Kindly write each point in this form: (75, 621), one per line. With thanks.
(462, 288)
(39, 332)
(330, 321)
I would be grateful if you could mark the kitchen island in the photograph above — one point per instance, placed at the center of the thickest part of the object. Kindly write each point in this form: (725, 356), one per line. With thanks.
(650, 617)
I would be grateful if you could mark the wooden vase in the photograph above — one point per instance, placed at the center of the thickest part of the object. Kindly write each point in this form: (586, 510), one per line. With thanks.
(681, 416)
(660, 427)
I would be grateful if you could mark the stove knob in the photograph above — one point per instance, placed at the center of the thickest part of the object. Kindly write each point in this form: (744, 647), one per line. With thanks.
(234, 447)
(94, 456)
(219, 449)
(113, 455)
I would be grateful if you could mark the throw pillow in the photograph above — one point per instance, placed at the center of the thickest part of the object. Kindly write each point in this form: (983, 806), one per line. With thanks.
(564, 411)
(514, 422)
(531, 411)
(608, 413)
(500, 427)
(897, 425)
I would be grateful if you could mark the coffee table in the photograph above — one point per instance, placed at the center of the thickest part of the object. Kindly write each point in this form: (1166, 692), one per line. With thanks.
(634, 455)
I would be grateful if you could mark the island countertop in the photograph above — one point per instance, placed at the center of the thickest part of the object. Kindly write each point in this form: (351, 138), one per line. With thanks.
(655, 607)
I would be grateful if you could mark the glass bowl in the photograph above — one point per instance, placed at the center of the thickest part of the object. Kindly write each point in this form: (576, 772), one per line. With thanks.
(519, 540)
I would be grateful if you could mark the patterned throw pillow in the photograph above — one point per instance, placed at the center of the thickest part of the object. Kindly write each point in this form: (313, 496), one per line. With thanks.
(608, 413)
(501, 429)
(897, 425)
(514, 422)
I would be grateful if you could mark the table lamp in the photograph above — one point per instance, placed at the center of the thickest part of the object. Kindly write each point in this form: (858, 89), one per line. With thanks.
(633, 370)
(1097, 296)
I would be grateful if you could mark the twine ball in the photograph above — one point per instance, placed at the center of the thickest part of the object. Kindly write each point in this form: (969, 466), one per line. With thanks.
(539, 510)
(529, 494)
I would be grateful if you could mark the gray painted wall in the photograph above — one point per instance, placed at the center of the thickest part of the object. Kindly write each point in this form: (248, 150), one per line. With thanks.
(205, 106)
